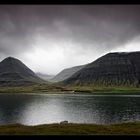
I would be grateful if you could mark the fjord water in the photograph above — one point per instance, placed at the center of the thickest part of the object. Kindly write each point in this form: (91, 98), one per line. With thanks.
(33, 109)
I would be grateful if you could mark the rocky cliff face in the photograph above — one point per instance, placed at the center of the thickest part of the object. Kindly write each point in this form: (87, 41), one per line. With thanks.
(14, 72)
(112, 69)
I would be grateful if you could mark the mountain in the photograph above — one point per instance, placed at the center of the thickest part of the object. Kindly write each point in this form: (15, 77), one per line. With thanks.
(44, 76)
(66, 73)
(13, 73)
(112, 69)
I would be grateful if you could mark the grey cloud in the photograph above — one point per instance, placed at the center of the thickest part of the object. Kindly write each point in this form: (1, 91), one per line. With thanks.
(107, 26)
(95, 27)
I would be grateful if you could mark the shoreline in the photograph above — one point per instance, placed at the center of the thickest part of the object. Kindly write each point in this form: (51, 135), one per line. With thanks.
(61, 89)
(125, 92)
(129, 128)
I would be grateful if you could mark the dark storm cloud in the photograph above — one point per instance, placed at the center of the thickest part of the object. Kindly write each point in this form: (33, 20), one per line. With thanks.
(94, 25)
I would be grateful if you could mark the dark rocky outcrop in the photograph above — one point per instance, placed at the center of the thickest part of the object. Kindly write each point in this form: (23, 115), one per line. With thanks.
(64, 122)
(112, 69)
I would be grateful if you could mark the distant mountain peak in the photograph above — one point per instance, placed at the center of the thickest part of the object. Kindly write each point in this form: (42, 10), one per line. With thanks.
(45, 76)
(10, 58)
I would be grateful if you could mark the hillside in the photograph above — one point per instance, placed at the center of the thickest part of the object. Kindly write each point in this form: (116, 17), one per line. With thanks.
(66, 73)
(13, 73)
(112, 69)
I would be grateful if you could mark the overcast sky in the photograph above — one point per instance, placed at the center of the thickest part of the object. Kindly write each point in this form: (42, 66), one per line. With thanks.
(49, 38)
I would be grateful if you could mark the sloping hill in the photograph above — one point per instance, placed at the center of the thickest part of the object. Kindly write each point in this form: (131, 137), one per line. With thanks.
(14, 72)
(112, 69)
(66, 73)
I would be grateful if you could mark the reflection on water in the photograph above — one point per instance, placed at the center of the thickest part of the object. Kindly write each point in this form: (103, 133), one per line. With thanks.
(33, 109)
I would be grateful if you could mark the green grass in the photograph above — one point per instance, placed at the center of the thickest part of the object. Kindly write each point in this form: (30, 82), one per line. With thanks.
(61, 88)
(131, 128)
(95, 89)
(30, 89)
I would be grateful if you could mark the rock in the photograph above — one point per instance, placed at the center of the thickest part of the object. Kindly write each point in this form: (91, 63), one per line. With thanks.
(64, 122)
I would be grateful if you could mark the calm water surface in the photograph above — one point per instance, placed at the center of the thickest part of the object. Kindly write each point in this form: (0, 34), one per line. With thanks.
(33, 109)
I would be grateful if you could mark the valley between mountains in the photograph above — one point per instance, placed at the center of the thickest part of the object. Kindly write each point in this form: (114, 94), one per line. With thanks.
(117, 72)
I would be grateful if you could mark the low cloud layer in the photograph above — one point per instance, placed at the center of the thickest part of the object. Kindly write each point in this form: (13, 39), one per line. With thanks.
(49, 38)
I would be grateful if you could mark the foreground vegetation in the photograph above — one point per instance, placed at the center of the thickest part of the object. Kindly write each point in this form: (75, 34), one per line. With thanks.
(131, 128)
(97, 89)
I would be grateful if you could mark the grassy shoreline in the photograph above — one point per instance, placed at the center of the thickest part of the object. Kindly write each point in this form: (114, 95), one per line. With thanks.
(69, 90)
(129, 128)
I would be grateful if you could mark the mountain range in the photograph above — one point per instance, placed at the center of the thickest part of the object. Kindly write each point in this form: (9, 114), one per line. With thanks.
(112, 69)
